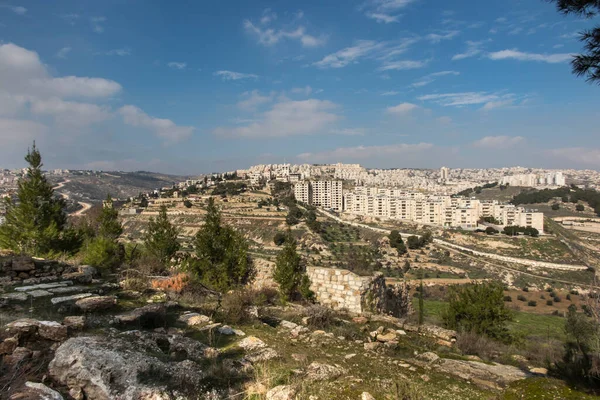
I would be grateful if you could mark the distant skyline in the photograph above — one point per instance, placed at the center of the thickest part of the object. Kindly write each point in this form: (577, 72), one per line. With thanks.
(196, 87)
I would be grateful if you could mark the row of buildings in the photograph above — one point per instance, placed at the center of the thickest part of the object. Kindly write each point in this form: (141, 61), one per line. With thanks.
(551, 179)
(399, 204)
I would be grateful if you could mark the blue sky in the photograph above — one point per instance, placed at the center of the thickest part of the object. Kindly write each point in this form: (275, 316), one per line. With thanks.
(194, 86)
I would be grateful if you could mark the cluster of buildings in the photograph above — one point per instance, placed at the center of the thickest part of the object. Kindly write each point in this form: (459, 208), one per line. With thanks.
(441, 210)
(549, 179)
(419, 207)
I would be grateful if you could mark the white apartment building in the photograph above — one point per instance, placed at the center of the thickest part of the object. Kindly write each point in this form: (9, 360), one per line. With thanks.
(324, 194)
(444, 174)
(534, 180)
(439, 210)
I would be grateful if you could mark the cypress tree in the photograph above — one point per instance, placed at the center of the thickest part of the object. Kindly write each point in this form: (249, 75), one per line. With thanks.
(161, 237)
(288, 270)
(35, 223)
(108, 221)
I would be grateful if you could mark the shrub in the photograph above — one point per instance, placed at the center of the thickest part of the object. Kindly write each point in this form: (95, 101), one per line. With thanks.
(478, 308)
(104, 253)
(508, 298)
(234, 306)
(474, 344)
(526, 289)
(176, 283)
(569, 296)
(279, 238)
(557, 299)
(532, 303)
(521, 298)
(549, 303)
(320, 317)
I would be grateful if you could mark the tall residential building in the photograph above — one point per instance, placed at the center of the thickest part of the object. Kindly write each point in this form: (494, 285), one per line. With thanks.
(325, 194)
(444, 174)
(436, 209)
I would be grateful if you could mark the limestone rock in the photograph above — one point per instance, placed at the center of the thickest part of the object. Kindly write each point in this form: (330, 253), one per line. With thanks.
(539, 371)
(428, 357)
(150, 316)
(119, 367)
(68, 299)
(74, 322)
(18, 355)
(52, 331)
(388, 337)
(360, 320)
(283, 392)
(300, 357)
(366, 396)
(96, 303)
(8, 345)
(288, 324)
(320, 372)
(261, 355)
(372, 346)
(251, 343)
(23, 264)
(23, 326)
(193, 319)
(226, 330)
(43, 392)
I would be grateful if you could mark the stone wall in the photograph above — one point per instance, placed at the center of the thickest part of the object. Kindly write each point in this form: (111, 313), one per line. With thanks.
(341, 289)
(27, 270)
(263, 275)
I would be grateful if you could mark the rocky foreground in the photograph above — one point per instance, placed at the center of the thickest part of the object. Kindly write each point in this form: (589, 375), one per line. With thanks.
(87, 339)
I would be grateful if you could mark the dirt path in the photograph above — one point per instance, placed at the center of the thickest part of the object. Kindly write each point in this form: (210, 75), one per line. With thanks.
(85, 206)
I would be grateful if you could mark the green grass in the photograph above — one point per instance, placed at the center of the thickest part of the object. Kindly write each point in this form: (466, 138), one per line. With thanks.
(524, 324)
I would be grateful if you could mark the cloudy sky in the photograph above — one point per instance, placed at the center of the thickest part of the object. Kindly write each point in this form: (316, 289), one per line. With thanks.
(192, 86)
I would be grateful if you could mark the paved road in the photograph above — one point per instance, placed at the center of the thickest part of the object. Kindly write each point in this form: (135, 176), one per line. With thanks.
(85, 206)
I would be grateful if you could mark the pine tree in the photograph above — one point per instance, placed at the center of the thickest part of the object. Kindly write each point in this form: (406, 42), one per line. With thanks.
(35, 223)
(222, 259)
(161, 237)
(288, 270)
(108, 221)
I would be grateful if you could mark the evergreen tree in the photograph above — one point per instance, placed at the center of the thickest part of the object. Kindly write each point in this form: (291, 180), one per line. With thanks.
(161, 237)
(109, 225)
(421, 303)
(289, 273)
(222, 259)
(36, 222)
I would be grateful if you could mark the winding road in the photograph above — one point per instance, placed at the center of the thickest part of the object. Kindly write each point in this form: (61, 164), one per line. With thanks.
(85, 206)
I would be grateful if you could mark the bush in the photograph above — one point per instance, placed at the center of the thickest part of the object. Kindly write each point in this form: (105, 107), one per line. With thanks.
(234, 305)
(176, 283)
(478, 308)
(521, 298)
(549, 303)
(477, 345)
(491, 231)
(526, 289)
(557, 299)
(320, 317)
(104, 253)
(279, 238)
(569, 296)
(508, 298)
(532, 303)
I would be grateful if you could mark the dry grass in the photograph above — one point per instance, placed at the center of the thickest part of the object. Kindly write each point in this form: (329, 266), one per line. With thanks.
(176, 283)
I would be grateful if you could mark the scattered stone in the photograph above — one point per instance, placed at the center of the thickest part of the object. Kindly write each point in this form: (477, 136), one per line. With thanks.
(473, 358)
(261, 355)
(288, 324)
(519, 358)
(68, 289)
(226, 330)
(18, 355)
(539, 371)
(75, 297)
(283, 392)
(209, 327)
(193, 319)
(23, 326)
(16, 297)
(445, 343)
(43, 391)
(401, 332)
(428, 357)
(372, 346)
(349, 356)
(74, 322)
(360, 320)
(39, 293)
(388, 337)
(321, 372)
(42, 286)
(52, 331)
(96, 303)
(251, 343)
(366, 396)
(239, 332)
(8, 345)
(299, 330)
(305, 320)
(23, 264)
(150, 316)
(318, 333)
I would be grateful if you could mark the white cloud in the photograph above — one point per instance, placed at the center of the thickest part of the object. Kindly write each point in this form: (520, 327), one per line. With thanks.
(268, 16)
(307, 90)
(234, 76)
(464, 98)
(270, 36)
(384, 11)
(473, 49)
(402, 65)
(498, 142)
(427, 79)
(577, 155)
(98, 24)
(70, 113)
(497, 104)
(383, 18)
(287, 118)
(177, 65)
(515, 54)
(62, 53)
(16, 9)
(119, 52)
(163, 128)
(402, 109)
(253, 100)
(437, 37)
(349, 131)
(70, 18)
(366, 152)
(390, 93)
(350, 55)
(74, 86)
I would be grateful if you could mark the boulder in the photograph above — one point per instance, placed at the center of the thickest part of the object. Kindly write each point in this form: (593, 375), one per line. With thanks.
(8, 345)
(150, 316)
(360, 320)
(282, 392)
(428, 357)
(96, 303)
(321, 372)
(261, 355)
(42, 391)
(539, 371)
(366, 396)
(18, 355)
(52, 331)
(288, 324)
(124, 366)
(74, 322)
(388, 337)
(226, 330)
(23, 326)
(251, 343)
(372, 346)
(193, 319)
